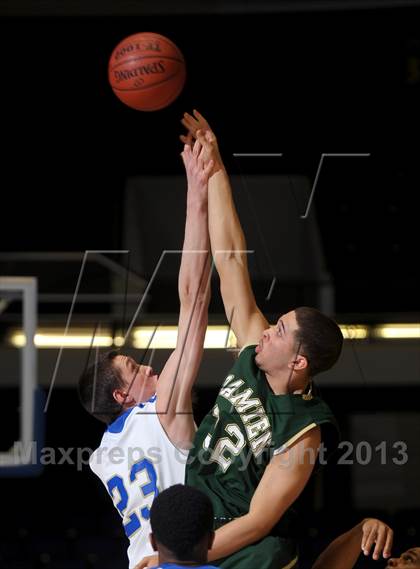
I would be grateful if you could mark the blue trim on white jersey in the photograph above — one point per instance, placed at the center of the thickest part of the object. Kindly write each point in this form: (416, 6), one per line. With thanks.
(118, 425)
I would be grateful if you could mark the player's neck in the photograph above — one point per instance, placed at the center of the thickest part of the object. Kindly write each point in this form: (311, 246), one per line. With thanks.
(283, 383)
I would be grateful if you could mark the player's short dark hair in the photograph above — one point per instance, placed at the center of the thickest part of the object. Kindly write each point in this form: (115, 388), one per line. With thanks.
(96, 387)
(181, 517)
(320, 339)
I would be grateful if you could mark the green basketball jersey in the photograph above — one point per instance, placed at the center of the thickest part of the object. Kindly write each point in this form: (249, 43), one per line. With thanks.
(247, 425)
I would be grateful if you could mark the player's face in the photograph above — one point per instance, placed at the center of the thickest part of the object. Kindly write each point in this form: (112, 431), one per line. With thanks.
(139, 380)
(277, 347)
(408, 560)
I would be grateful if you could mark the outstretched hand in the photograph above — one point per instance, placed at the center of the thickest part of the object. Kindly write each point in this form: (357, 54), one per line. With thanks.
(198, 169)
(376, 532)
(192, 124)
(197, 125)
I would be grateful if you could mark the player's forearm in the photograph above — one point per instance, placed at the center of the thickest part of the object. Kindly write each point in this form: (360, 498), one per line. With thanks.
(192, 282)
(226, 235)
(190, 351)
(234, 536)
(343, 552)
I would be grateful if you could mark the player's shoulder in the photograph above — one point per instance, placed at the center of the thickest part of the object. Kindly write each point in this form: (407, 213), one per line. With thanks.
(246, 355)
(322, 416)
(247, 349)
(319, 410)
(298, 416)
(244, 365)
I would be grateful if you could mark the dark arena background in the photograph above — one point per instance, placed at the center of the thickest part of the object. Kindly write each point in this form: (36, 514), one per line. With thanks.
(334, 87)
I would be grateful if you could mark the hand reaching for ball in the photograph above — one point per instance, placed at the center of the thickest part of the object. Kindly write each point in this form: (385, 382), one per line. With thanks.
(199, 129)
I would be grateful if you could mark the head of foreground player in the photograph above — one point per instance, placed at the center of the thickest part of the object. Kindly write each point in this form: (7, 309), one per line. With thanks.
(303, 343)
(114, 384)
(182, 526)
(408, 560)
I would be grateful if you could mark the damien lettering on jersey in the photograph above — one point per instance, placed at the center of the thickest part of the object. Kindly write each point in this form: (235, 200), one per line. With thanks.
(251, 411)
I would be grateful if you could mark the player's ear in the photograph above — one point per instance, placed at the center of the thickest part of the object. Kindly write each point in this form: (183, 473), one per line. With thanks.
(153, 542)
(212, 535)
(299, 363)
(120, 396)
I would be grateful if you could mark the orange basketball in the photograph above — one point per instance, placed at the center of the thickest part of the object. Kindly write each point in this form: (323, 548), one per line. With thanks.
(146, 71)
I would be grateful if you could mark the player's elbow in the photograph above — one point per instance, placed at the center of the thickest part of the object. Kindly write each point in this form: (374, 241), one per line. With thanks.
(233, 256)
(259, 526)
(263, 522)
(231, 267)
(265, 527)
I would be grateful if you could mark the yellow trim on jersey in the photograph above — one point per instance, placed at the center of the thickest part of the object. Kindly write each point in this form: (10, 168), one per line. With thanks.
(291, 564)
(246, 346)
(289, 443)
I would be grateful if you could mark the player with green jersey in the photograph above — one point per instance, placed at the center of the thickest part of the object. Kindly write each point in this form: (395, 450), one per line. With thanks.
(256, 450)
(248, 425)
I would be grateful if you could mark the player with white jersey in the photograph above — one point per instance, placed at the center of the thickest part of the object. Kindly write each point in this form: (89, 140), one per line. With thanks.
(135, 461)
(149, 417)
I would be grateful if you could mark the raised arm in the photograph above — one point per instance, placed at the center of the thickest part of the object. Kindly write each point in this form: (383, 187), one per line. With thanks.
(283, 480)
(228, 243)
(178, 376)
(344, 551)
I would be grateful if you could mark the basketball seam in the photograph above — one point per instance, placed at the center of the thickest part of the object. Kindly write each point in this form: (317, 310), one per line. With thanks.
(165, 102)
(163, 39)
(146, 57)
(147, 86)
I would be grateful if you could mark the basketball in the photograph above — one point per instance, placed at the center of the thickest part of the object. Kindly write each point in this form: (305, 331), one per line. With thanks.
(146, 71)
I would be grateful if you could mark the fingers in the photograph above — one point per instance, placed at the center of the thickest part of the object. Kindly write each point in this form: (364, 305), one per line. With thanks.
(388, 543)
(379, 534)
(192, 123)
(380, 542)
(189, 122)
(186, 139)
(206, 138)
(365, 530)
(189, 126)
(186, 156)
(197, 148)
(368, 539)
(210, 137)
(203, 140)
(201, 119)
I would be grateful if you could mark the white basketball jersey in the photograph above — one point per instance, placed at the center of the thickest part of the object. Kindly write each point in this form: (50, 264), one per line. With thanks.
(135, 461)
